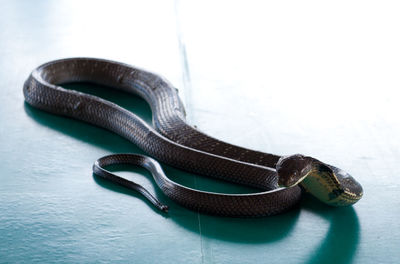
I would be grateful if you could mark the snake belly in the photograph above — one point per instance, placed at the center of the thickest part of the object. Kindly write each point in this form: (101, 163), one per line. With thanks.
(173, 141)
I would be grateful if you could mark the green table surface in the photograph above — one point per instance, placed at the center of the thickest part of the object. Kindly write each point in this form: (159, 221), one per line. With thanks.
(287, 77)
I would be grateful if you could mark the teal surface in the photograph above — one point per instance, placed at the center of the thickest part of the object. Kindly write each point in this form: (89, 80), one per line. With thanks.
(283, 78)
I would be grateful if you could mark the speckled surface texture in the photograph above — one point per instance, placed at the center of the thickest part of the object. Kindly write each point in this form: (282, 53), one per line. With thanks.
(306, 77)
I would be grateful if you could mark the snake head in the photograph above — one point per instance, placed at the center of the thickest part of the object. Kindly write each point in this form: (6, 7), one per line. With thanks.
(293, 169)
(329, 184)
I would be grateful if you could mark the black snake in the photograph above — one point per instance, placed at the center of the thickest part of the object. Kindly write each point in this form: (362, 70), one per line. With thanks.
(176, 143)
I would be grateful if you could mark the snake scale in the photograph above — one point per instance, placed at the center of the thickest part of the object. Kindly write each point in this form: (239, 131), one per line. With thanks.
(178, 144)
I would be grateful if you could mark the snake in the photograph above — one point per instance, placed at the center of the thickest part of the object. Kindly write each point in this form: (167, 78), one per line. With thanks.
(280, 180)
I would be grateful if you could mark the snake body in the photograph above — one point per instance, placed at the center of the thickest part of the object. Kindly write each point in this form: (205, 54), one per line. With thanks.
(176, 143)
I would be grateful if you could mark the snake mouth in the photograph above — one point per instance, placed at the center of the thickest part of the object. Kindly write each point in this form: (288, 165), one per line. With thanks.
(294, 180)
(292, 183)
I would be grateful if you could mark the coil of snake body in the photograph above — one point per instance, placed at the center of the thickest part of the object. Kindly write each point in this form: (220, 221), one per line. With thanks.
(176, 143)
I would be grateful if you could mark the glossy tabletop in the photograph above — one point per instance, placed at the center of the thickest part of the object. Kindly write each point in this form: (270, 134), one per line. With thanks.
(287, 77)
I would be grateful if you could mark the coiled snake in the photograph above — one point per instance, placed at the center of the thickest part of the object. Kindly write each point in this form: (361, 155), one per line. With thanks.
(174, 142)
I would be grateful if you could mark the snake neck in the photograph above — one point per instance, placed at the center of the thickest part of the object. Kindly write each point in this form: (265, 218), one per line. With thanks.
(331, 185)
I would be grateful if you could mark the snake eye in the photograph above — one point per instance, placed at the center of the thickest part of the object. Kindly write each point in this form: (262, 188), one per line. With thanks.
(292, 169)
